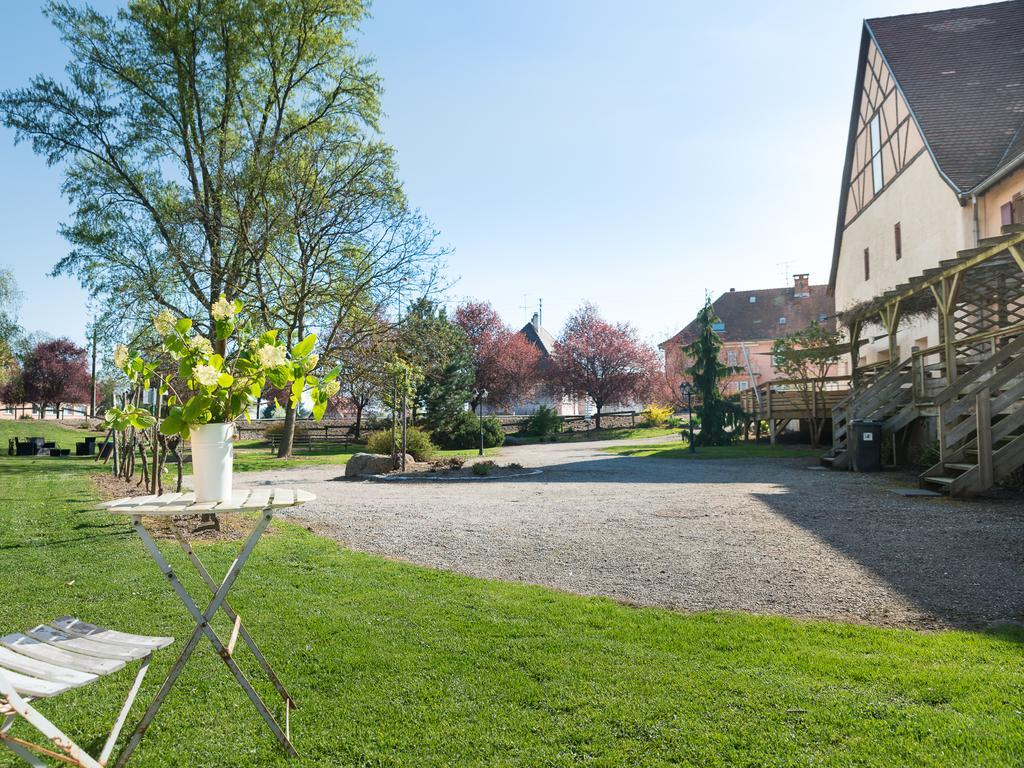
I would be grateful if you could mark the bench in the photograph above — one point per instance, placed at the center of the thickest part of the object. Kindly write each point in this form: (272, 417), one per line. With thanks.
(336, 437)
(53, 658)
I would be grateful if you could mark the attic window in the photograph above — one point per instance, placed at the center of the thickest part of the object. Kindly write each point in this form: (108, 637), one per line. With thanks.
(877, 182)
(782, 321)
(822, 317)
(753, 299)
(718, 327)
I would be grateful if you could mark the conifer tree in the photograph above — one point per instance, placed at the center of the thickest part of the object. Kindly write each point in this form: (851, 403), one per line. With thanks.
(707, 371)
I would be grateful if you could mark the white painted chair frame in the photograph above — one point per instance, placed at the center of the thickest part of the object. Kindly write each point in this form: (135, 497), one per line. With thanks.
(15, 705)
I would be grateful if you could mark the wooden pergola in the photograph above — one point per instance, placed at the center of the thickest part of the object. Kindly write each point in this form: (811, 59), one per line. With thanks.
(974, 295)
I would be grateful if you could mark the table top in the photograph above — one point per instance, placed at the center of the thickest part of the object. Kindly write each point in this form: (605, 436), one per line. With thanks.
(242, 500)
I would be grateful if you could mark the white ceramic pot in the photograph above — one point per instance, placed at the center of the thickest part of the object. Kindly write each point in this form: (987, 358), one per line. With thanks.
(212, 461)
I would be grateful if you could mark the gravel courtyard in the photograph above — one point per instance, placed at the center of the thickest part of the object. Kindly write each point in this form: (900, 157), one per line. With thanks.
(768, 536)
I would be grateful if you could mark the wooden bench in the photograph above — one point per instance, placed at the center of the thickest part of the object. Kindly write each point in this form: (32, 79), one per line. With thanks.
(50, 659)
(311, 439)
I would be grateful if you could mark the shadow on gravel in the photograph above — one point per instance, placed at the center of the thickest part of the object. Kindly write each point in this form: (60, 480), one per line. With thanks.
(958, 562)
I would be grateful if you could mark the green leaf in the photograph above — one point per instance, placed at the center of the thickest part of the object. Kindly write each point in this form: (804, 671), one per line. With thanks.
(319, 409)
(216, 361)
(225, 380)
(183, 326)
(173, 423)
(304, 347)
(185, 369)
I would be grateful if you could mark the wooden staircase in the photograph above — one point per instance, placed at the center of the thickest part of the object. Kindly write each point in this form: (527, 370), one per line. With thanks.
(981, 425)
(888, 398)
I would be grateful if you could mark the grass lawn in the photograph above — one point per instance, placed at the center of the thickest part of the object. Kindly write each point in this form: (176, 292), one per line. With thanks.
(255, 456)
(625, 433)
(680, 450)
(393, 664)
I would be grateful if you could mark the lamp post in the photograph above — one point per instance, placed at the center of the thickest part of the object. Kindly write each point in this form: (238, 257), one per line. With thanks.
(686, 390)
(482, 394)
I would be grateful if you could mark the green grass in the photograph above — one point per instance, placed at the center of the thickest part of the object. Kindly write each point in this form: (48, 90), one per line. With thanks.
(625, 433)
(680, 450)
(393, 664)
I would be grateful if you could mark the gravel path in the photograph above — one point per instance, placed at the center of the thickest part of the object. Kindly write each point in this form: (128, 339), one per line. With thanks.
(768, 536)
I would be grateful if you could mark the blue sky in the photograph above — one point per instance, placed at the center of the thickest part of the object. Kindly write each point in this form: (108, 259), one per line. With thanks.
(633, 155)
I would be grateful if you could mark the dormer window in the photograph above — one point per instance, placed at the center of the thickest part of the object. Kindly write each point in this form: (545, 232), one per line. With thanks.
(782, 321)
(718, 327)
(753, 299)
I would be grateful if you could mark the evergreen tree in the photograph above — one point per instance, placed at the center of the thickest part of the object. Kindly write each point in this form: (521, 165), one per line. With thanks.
(707, 371)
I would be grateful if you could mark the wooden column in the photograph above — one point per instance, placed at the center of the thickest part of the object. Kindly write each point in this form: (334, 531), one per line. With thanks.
(945, 298)
(854, 351)
(890, 315)
(983, 425)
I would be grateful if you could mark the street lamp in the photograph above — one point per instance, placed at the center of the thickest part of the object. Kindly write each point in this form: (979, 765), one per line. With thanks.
(686, 390)
(482, 394)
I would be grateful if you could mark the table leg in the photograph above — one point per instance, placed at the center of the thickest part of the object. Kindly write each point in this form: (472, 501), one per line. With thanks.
(203, 627)
(233, 616)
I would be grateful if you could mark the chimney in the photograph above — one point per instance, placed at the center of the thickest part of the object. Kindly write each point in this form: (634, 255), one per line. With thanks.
(535, 320)
(801, 286)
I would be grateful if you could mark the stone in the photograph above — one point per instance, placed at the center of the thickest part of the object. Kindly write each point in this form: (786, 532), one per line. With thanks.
(363, 464)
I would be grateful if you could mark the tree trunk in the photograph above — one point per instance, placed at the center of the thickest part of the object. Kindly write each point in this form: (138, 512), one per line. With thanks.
(359, 421)
(597, 417)
(288, 432)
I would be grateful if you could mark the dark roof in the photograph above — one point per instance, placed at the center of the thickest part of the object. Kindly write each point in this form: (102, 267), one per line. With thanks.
(539, 337)
(760, 321)
(962, 73)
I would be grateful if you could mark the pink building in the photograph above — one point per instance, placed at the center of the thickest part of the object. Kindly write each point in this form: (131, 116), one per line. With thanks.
(750, 321)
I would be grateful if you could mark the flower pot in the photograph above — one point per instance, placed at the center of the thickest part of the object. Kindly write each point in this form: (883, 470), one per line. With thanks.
(212, 461)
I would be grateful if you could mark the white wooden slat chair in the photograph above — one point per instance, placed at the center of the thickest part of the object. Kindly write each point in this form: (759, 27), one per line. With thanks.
(50, 659)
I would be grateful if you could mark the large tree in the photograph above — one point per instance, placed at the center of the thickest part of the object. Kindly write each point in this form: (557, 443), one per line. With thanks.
(10, 299)
(603, 361)
(506, 363)
(174, 124)
(54, 373)
(438, 348)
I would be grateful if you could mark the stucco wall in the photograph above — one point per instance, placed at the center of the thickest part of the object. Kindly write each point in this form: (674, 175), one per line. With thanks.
(933, 227)
(990, 203)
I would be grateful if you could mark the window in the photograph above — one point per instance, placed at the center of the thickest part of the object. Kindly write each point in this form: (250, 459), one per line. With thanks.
(876, 153)
(730, 358)
(867, 264)
(898, 236)
(753, 299)
(782, 321)
(744, 385)
(822, 317)
(718, 327)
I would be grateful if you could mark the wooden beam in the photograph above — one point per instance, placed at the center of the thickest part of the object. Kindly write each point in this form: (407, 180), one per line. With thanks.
(1017, 256)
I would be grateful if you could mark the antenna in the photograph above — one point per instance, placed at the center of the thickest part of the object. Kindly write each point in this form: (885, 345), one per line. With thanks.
(540, 311)
(785, 271)
(525, 306)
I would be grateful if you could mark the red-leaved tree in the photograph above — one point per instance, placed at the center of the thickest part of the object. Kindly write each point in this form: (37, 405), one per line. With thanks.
(602, 361)
(54, 373)
(506, 362)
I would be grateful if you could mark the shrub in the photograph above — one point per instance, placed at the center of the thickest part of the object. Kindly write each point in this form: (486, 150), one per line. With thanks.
(656, 415)
(544, 423)
(484, 468)
(515, 465)
(465, 433)
(418, 444)
(449, 463)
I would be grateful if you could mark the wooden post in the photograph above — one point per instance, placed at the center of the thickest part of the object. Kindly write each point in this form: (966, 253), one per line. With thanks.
(945, 298)
(854, 351)
(771, 421)
(983, 430)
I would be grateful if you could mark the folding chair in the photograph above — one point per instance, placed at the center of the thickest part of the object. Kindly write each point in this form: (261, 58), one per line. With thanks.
(52, 658)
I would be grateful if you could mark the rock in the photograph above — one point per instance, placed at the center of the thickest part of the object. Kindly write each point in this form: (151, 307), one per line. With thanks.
(363, 464)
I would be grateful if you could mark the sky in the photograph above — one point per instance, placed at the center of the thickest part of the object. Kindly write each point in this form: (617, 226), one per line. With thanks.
(637, 156)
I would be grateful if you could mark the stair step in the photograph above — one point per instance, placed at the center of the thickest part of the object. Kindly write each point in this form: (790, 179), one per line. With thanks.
(940, 480)
(1012, 229)
(961, 467)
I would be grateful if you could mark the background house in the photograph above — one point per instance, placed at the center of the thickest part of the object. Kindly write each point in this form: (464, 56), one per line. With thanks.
(750, 321)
